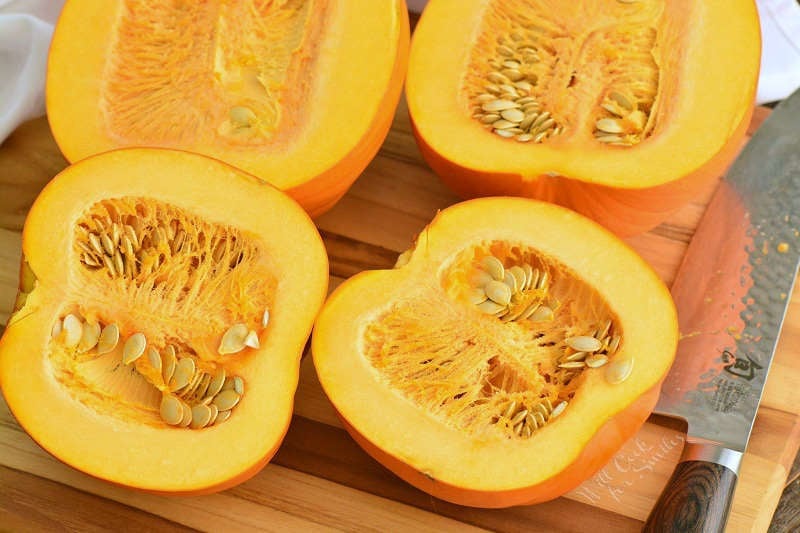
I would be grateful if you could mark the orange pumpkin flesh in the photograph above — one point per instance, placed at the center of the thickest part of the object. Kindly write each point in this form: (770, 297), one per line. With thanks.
(432, 386)
(300, 93)
(686, 83)
(201, 262)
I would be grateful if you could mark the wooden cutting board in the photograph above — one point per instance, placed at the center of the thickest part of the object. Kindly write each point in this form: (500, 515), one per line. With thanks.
(320, 479)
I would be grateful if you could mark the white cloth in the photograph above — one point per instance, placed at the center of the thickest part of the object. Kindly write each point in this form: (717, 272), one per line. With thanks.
(26, 27)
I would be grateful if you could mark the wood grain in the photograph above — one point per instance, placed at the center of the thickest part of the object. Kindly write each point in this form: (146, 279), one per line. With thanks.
(320, 479)
(697, 499)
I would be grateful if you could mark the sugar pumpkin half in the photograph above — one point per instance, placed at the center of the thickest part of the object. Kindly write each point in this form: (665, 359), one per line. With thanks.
(297, 92)
(620, 109)
(161, 323)
(505, 359)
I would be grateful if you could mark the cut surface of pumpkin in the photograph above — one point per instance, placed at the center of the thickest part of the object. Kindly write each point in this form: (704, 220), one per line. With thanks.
(620, 109)
(505, 359)
(299, 92)
(158, 342)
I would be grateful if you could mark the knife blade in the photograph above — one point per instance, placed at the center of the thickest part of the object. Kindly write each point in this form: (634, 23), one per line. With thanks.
(731, 291)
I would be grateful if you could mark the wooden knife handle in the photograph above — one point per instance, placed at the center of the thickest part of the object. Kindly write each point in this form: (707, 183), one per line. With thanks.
(697, 498)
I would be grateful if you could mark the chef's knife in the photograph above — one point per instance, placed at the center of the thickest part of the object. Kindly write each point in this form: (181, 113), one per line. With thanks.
(731, 291)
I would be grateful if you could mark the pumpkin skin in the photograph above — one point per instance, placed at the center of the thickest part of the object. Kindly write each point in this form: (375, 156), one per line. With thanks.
(699, 109)
(308, 120)
(399, 420)
(108, 422)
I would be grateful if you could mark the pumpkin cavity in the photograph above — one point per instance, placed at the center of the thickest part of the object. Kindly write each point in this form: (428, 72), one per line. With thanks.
(548, 70)
(222, 73)
(160, 310)
(499, 344)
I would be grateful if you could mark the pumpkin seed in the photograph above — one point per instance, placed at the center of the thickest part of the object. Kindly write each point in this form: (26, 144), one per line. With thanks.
(498, 78)
(614, 344)
(494, 267)
(541, 314)
(108, 339)
(476, 295)
(90, 261)
(540, 419)
(513, 115)
(89, 337)
(95, 242)
(530, 421)
(233, 339)
(504, 50)
(265, 318)
(504, 133)
(133, 348)
(252, 340)
(108, 244)
(519, 417)
(480, 278)
(498, 292)
(489, 118)
(184, 374)
(614, 109)
(189, 391)
(622, 100)
(547, 404)
(216, 383)
(543, 279)
(525, 137)
(238, 385)
(510, 281)
(109, 264)
(56, 329)
(214, 412)
(583, 343)
(154, 359)
(520, 276)
(608, 138)
(169, 362)
(577, 356)
(226, 399)
(510, 409)
(528, 313)
(513, 74)
(545, 408)
(222, 416)
(490, 308)
(502, 124)
(118, 264)
(619, 370)
(558, 409)
(609, 125)
(171, 410)
(602, 332)
(73, 330)
(572, 365)
(596, 360)
(201, 416)
(638, 119)
(499, 105)
(241, 116)
(187, 415)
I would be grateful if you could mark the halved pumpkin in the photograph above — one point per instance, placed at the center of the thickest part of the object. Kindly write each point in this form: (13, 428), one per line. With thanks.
(159, 341)
(300, 93)
(514, 350)
(620, 109)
